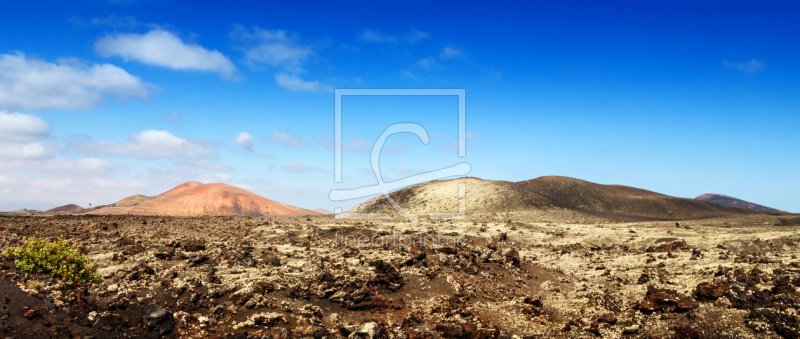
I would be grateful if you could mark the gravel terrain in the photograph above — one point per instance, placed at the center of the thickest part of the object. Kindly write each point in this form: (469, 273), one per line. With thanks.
(535, 274)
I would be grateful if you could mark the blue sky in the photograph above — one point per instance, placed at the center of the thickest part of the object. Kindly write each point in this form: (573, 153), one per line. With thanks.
(103, 99)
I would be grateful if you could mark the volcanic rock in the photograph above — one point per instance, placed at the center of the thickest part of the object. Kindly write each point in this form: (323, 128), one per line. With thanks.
(711, 291)
(157, 318)
(666, 300)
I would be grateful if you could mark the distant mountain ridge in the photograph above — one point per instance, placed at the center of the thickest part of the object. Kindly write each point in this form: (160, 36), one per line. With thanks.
(66, 208)
(544, 193)
(735, 202)
(193, 198)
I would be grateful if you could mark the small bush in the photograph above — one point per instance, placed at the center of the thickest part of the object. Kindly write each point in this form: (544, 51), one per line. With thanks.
(58, 258)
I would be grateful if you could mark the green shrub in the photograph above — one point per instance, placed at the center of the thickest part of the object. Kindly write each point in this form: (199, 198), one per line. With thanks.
(58, 258)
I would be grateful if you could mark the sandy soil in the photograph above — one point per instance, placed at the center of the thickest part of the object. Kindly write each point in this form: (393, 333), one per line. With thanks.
(537, 274)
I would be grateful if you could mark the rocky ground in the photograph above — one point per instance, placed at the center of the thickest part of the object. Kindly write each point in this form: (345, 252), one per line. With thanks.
(509, 275)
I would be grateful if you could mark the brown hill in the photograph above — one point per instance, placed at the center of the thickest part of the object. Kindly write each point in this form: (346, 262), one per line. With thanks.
(193, 198)
(67, 208)
(182, 188)
(132, 200)
(734, 202)
(322, 211)
(546, 193)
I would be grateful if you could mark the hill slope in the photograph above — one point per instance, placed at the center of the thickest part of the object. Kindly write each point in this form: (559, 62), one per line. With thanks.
(66, 208)
(546, 193)
(734, 202)
(193, 198)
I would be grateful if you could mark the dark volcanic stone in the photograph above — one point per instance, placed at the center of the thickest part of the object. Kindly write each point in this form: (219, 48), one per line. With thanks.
(110, 322)
(194, 246)
(608, 319)
(320, 333)
(155, 317)
(711, 291)
(666, 300)
(60, 332)
(686, 332)
(30, 313)
(450, 331)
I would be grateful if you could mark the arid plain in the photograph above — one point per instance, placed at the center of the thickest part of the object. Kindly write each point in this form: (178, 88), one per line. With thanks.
(548, 258)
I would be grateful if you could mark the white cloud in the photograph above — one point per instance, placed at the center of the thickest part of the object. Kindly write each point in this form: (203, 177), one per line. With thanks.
(450, 52)
(325, 142)
(51, 183)
(260, 185)
(21, 137)
(416, 36)
(32, 177)
(401, 170)
(450, 147)
(61, 167)
(279, 189)
(149, 144)
(437, 136)
(412, 37)
(33, 150)
(453, 146)
(407, 74)
(116, 21)
(244, 140)
(751, 66)
(294, 167)
(427, 62)
(162, 48)
(8, 179)
(172, 117)
(214, 166)
(183, 175)
(88, 167)
(354, 144)
(293, 83)
(288, 140)
(207, 178)
(67, 181)
(397, 147)
(18, 127)
(282, 50)
(175, 175)
(368, 35)
(274, 48)
(69, 84)
(471, 136)
(117, 185)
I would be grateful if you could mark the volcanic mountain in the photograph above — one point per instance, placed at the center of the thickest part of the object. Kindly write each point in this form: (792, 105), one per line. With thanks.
(193, 198)
(66, 208)
(546, 193)
(734, 202)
